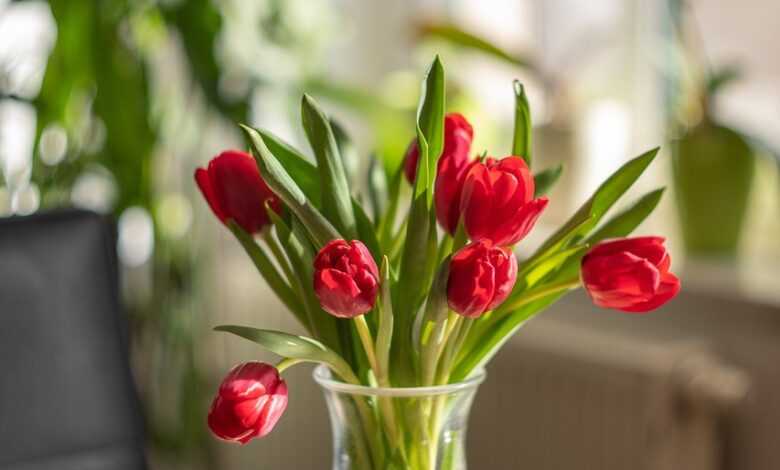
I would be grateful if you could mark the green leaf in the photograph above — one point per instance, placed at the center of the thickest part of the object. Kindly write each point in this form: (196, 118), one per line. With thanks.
(287, 345)
(546, 179)
(377, 189)
(522, 141)
(601, 201)
(366, 232)
(457, 36)
(551, 263)
(350, 159)
(280, 182)
(300, 169)
(480, 348)
(334, 186)
(267, 269)
(624, 223)
(430, 127)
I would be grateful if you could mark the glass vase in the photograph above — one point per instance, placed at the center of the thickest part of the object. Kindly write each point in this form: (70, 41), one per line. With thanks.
(415, 428)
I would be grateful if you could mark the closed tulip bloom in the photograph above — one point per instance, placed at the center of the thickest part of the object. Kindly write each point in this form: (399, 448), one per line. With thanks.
(250, 401)
(234, 190)
(346, 279)
(481, 277)
(498, 201)
(450, 170)
(629, 274)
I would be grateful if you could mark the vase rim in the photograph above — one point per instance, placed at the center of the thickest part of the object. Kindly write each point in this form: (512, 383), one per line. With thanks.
(323, 377)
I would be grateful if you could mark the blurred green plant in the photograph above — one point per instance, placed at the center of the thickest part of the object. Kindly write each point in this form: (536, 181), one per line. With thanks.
(713, 163)
(98, 93)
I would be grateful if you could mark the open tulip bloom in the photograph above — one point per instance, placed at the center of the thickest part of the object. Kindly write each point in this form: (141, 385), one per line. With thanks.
(424, 288)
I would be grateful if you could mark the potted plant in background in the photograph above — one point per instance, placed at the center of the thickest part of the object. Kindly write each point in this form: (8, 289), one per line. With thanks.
(403, 309)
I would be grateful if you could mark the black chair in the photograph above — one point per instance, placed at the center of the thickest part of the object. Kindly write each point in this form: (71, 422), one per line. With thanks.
(67, 399)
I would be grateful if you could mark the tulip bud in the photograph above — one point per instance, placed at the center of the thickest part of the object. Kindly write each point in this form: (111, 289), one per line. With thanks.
(234, 190)
(497, 201)
(481, 277)
(250, 401)
(346, 279)
(451, 168)
(629, 274)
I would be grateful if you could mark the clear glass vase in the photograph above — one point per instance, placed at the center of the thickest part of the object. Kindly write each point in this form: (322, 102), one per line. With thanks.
(416, 428)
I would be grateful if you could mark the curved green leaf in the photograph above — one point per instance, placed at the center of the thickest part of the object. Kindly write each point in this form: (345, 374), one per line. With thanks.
(623, 224)
(300, 169)
(522, 141)
(455, 35)
(319, 228)
(546, 179)
(334, 187)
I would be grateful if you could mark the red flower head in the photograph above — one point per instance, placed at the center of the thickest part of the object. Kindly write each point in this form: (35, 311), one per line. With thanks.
(234, 189)
(451, 169)
(497, 201)
(346, 279)
(629, 274)
(249, 403)
(481, 277)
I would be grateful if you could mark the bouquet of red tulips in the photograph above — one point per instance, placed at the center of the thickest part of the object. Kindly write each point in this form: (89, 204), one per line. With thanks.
(416, 284)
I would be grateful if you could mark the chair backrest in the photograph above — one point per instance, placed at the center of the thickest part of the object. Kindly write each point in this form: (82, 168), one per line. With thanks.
(67, 398)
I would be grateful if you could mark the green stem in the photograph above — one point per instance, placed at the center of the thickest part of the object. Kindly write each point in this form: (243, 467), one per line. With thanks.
(368, 342)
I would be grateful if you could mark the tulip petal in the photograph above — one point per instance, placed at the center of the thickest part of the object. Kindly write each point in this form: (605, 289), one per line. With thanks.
(669, 288)
(338, 293)
(203, 180)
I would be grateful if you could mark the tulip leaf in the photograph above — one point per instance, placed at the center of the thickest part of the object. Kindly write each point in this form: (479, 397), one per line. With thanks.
(350, 159)
(334, 187)
(457, 36)
(377, 189)
(601, 201)
(292, 346)
(281, 183)
(546, 179)
(267, 269)
(624, 223)
(366, 232)
(522, 141)
(551, 263)
(430, 128)
(479, 349)
(300, 169)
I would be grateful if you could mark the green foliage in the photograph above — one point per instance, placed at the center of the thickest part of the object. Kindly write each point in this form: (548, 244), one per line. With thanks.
(545, 180)
(522, 142)
(334, 186)
(466, 40)
(278, 179)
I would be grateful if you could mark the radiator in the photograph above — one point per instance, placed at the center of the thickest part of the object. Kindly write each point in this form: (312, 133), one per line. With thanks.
(561, 396)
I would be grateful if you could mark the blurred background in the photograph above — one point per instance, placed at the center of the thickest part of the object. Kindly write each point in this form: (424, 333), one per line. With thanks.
(110, 106)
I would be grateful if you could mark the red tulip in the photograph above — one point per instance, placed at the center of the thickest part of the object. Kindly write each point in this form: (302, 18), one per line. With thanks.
(481, 277)
(498, 201)
(249, 403)
(629, 274)
(346, 279)
(451, 169)
(234, 189)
